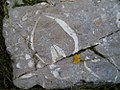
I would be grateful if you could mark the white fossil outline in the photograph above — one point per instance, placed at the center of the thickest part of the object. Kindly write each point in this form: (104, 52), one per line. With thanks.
(89, 69)
(55, 49)
(32, 39)
(57, 75)
(68, 30)
(93, 73)
(55, 71)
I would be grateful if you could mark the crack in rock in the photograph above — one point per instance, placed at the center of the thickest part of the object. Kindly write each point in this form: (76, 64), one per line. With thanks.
(90, 35)
(108, 35)
(103, 56)
(92, 47)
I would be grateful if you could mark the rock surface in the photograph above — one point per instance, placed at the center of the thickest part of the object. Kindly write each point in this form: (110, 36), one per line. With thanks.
(58, 45)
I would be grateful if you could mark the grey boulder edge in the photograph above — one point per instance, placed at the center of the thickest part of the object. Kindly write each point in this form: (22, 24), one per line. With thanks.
(42, 40)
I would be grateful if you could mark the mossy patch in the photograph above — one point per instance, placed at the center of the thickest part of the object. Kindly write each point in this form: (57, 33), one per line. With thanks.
(76, 59)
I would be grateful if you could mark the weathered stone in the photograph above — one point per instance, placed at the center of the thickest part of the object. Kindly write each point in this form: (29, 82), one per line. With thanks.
(42, 40)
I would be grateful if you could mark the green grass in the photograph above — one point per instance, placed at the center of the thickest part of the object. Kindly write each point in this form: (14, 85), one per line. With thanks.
(6, 68)
(32, 2)
(5, 62)
(27, 2)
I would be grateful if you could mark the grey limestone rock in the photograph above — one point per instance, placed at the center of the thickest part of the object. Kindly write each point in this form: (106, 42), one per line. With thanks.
(47, 41)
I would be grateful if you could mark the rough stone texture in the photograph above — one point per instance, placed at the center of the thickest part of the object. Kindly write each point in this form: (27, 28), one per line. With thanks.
(42, 40)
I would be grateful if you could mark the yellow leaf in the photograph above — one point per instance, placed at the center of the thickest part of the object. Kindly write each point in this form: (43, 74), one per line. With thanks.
(76, 59)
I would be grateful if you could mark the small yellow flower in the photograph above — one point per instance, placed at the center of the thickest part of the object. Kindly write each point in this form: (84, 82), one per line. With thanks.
(76, 59)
